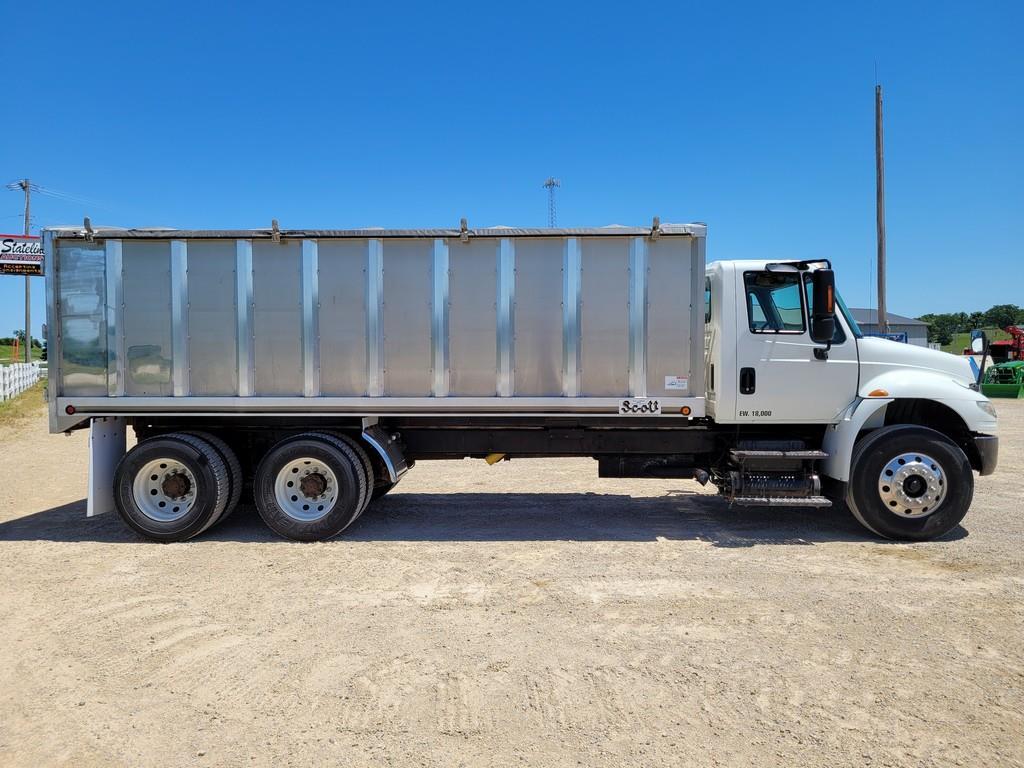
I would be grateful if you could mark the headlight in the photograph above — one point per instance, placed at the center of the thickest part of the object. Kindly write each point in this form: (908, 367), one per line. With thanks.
(987, 407)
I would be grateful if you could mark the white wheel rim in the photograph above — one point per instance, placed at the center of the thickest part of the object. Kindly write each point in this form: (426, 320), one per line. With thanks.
(912, 485)
(164, 490)
(306, 489)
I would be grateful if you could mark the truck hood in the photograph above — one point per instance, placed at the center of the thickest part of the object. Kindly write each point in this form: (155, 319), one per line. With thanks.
(880, 355)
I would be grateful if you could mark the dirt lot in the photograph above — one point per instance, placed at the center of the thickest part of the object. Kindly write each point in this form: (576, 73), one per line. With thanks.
(527, 613)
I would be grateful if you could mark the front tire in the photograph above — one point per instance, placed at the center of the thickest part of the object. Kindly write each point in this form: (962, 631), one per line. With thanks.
(909, 483)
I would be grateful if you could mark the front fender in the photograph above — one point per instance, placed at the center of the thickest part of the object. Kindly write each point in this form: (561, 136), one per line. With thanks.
(868, 411)
(920, 384)
(840, 437)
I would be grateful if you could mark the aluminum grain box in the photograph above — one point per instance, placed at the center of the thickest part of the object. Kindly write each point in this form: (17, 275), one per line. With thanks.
(374, 322)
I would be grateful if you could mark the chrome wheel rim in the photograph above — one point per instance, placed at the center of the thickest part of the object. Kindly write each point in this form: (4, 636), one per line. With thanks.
(306, 489)
(164, 490)
(912, 485)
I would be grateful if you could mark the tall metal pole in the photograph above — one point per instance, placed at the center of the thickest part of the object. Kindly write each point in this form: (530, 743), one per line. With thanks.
(883, 316)
(27, 188)
(550, 186)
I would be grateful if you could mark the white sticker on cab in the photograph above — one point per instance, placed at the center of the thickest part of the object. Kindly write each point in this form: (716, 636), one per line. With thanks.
(676, 382)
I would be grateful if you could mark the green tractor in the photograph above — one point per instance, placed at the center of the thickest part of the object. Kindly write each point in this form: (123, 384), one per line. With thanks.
(1004, 380)
(1006, 377)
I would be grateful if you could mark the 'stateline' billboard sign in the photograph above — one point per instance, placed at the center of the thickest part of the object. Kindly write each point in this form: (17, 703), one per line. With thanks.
(21, 255)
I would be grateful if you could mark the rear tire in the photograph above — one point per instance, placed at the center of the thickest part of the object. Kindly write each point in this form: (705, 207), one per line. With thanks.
(171, 488)
(909, 483)
(235, 477)
(383, 489)
(364, 460)
(310, 487)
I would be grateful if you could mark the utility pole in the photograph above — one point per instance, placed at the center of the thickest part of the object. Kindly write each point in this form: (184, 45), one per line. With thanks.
(883, 316)
(27, 189)
(550, 185)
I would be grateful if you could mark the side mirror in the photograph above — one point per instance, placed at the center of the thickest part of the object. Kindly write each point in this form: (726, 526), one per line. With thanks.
(823, 320)
(978, 342)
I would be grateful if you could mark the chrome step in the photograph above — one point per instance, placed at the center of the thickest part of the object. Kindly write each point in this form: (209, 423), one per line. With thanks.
(782, 501)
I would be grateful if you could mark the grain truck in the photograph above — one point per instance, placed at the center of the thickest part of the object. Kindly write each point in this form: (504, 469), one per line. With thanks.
(313, 368)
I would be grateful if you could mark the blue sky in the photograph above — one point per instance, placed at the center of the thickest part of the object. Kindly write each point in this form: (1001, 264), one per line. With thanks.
(755, 118)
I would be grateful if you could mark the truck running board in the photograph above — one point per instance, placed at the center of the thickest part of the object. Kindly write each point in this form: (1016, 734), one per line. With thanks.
(782, 501)
(745, 455)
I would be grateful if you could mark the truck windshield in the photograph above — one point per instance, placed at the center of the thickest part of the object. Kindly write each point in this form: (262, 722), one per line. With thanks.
(857, 333)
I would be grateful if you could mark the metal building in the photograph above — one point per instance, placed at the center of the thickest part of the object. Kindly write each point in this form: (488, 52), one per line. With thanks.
(916, 330)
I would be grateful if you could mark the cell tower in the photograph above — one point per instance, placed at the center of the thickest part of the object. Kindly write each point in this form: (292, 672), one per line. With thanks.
(551, 185)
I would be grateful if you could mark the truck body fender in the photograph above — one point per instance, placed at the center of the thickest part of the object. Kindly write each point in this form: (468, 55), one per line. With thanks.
(386, 446)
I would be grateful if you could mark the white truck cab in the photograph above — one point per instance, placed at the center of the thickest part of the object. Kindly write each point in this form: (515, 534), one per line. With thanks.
(765, 367)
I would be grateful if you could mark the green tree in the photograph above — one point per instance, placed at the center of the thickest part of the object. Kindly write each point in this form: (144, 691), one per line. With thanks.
(1002, 315)
(941, 327)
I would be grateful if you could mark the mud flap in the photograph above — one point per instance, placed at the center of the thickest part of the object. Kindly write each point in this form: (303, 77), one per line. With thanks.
(106, 447)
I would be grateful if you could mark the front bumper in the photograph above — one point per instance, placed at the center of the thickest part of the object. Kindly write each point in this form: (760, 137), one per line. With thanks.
(988, 453)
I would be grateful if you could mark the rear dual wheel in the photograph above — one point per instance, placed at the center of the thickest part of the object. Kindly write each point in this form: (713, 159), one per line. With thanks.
(312, 486)
(174, 487)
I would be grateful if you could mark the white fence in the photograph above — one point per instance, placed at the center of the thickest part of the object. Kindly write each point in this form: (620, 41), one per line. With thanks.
(16, 378)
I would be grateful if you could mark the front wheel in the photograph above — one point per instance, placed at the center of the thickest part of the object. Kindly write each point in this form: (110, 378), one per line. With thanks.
(910, 483)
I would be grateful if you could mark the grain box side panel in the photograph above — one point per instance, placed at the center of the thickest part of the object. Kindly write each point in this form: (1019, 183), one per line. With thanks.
(407, 317)
(81, 281)
(538, 317)
(277, 317)
(147, 318)
(472, 321)
(604, 317)
(212, 318)
(342, 319)
(669, 296)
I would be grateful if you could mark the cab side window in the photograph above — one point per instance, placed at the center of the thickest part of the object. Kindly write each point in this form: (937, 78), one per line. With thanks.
(774, 302)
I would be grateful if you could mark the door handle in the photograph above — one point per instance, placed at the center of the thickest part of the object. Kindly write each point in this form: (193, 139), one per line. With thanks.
(747, 381)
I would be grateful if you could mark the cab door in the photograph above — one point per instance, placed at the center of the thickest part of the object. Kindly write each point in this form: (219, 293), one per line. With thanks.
(783, 376)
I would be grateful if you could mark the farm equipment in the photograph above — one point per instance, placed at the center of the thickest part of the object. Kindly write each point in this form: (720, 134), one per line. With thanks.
(1005, 350)
(1006, 379)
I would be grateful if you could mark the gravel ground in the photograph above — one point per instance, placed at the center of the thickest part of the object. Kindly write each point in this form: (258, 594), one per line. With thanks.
(526, 613)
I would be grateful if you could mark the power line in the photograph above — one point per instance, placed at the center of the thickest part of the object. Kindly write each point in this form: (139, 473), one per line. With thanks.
(57, 194)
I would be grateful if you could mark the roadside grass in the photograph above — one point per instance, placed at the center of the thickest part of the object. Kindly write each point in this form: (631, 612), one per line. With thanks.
(963, 340)
(7, 353)
(23, 407)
